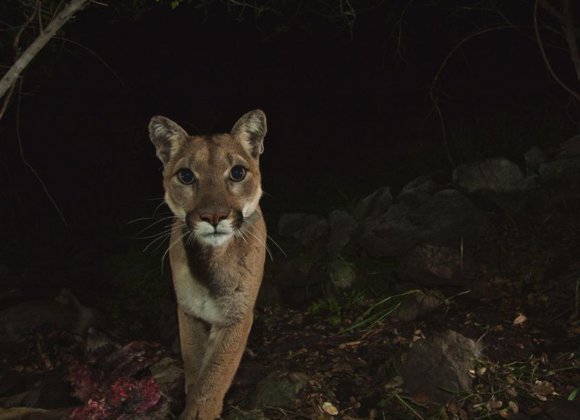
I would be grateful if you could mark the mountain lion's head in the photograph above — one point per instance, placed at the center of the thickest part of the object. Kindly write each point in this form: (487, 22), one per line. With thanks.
(212, 183)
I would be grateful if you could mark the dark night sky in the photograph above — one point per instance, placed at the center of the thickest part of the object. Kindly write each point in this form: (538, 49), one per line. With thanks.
(344, 116)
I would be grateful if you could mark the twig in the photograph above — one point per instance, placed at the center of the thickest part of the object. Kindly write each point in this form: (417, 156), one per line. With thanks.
(570, 33)
(545, 57)
(94, 54)
(28, 165)
(432, 94)
(7, 100)
(408, 406)
(41, 40)
(39, 14)
(22, 29)
(17, 53)
(550, 8)
(577, 300)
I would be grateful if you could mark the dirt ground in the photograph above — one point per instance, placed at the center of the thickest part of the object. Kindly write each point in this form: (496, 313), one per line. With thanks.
(522, 310)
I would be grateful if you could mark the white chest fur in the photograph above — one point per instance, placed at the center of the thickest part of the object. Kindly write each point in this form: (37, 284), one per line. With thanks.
(194, 298)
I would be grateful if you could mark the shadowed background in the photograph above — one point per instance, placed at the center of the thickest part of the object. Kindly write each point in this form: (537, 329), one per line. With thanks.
(348, 110)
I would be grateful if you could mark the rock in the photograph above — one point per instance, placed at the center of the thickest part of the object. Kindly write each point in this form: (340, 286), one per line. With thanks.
(418, 305)
(270, 293)
(293, 272)
(443, 218)
(295, 282)
(569, 148)
(85, 316)
(433, 265)
(19, 413)
(332, 276)
(306, 228)
(280, 391)
(420, 184)
(52, 392)
(438, 364)
(342, 274)
(21, 320)
(374, 204)
(64, 313)
(534, 158)
(560, 171)
(342, 226)
(497, 175)
(13, 383)
(168, 373)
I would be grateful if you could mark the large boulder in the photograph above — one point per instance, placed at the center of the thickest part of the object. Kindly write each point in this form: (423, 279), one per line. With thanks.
(443, 218)
(497, 175)
(436, 266)
(280, 390)
(374, 204)
(423, 183)
(19, 413)
(438, 367)
(305, 228)
(295, 281)
(64, 313)
(342, 274)
(418, 305)
(342, 226)
(565, 171)
(534, 158)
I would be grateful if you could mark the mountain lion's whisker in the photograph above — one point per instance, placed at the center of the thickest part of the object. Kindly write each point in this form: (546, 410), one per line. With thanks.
(159, 240)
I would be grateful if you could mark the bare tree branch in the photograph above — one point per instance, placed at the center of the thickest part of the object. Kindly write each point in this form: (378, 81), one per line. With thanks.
(432, 93)
(550, 8)
(28, 165)
(22, 62)
(16, 42)
(7, 99)
(575, 94)
(569, 31)
(16, 46)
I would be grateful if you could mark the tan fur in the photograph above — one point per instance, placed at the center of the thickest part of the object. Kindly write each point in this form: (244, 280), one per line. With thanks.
(217, 250)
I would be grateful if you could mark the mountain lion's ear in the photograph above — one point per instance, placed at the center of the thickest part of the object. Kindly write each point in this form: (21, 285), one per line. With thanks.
(251, 130)
(167, 137)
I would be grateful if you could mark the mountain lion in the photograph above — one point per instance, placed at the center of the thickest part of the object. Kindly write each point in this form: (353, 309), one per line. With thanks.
(216, 251)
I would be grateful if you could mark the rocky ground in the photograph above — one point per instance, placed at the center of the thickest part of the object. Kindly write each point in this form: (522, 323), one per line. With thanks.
(454, 300)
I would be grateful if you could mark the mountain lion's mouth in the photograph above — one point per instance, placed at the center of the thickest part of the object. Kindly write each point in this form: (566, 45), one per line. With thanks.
(217, 234)
(211, 235)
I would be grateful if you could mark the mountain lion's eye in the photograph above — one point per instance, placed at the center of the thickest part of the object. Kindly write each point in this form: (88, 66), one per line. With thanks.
(237, 173)
(185, 176)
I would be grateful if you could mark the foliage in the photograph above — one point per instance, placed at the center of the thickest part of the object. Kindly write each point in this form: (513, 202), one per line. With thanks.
(335, 308)
(381, 310)
(137, 278)
(289, 12)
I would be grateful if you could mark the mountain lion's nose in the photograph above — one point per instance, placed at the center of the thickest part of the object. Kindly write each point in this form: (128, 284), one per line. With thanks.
(213, 218)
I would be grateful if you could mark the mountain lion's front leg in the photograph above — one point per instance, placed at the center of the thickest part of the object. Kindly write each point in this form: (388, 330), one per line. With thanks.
(193, 336)
(223, 355)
